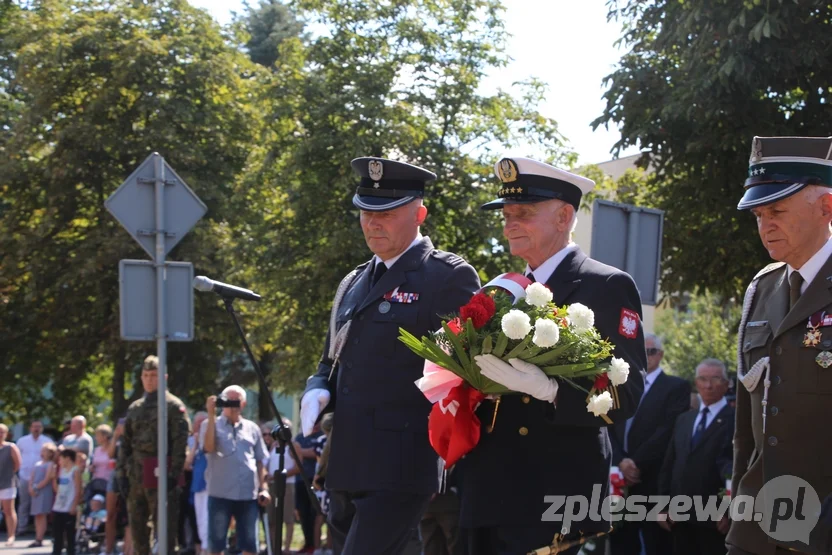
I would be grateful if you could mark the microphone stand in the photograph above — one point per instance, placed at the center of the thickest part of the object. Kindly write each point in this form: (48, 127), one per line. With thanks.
(282, 434)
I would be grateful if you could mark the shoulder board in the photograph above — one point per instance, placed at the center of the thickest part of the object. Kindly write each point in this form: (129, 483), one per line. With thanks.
(768, 269)
(174, 399)
(448, 257)
(137, 403)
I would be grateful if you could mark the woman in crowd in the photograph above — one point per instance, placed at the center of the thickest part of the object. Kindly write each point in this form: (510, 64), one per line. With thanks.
(103, 465)
(9, 466)
(41, 492)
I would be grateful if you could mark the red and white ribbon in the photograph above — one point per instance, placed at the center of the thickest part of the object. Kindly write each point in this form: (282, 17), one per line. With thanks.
(512, 282)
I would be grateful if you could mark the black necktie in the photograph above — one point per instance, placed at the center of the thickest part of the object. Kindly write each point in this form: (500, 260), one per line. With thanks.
(700, 428)
(531, 277)
(379, 270)
(795, 282)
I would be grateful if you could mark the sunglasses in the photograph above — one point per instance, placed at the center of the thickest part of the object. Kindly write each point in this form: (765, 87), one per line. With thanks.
(653, 352)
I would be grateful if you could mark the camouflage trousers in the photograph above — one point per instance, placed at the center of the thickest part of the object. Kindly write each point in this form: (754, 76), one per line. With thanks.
(142, 504)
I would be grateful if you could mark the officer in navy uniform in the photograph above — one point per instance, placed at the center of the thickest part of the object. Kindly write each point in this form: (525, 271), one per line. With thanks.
(544, 441)
(382, 469)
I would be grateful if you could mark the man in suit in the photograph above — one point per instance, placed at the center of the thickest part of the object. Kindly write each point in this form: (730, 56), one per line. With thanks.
(639, 446)
(698, 462)
(544, 441)
(382, 469)
(785, 336)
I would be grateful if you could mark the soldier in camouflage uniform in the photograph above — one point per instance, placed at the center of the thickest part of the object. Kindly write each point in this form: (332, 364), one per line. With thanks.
(138, 443)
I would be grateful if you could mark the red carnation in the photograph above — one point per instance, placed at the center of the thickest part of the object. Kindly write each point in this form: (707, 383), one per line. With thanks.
(476, 312)
(486, 302)
(455, 325)
(602, 381)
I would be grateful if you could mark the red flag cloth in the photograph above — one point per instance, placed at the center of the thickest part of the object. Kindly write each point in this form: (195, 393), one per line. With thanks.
(453, 428)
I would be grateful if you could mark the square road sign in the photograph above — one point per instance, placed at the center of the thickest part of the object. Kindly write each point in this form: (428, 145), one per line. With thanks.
(137, 292)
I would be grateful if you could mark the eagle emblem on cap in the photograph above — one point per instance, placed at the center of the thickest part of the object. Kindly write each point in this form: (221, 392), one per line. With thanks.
(376, 170)
(507, 170)
(756, 150)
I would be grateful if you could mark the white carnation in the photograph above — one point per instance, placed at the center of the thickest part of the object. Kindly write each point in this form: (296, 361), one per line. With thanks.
(538, 295)
(619, 371)
(581, 317)
(516, 324)
(546, 333)
(600, 404)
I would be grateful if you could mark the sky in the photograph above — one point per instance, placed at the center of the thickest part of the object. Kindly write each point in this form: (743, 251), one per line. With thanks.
(567, 44)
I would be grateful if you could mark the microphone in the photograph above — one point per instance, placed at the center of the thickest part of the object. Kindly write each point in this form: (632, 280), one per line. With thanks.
(202, 283)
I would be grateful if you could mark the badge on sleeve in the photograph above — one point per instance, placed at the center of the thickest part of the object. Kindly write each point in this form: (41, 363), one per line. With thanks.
(628, 324)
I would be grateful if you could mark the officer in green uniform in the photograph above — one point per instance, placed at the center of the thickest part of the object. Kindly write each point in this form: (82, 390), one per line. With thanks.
(785, 348)
(138, 457)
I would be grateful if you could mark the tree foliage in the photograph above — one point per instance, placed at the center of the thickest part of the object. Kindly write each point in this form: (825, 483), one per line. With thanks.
(103, 84)
(700, 80)
(704, 326)
(267, 26)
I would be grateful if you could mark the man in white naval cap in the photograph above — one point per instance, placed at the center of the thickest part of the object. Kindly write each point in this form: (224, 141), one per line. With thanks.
(382, 469)
(785, 352)
(545, 442)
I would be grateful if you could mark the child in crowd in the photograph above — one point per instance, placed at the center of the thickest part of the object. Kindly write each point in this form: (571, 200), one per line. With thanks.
(68, 487)
(41, 492)
(98, 514)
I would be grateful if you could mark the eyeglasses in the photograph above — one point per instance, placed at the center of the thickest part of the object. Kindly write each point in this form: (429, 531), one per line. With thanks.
(653, 352)
(714, 380)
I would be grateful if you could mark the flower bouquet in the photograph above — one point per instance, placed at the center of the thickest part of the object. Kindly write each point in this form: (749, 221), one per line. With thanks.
(512, 318)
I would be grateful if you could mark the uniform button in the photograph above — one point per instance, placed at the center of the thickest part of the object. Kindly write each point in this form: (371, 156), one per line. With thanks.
(345, 390)
(777, 380)
(356, 341)
(774, 411)
(523, 431)
(827, 343)
(349, 365)
(778, 350)
(526, 399)
(748, 344)
(772, 441)
(361, 317)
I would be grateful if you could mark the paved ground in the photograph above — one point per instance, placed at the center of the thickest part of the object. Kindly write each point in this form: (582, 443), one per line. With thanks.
(20, 547)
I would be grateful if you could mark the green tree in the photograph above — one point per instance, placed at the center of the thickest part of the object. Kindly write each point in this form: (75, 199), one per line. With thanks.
(398, 80)
(104, 84)
(267, 26)
(705, 326)
(701, 79)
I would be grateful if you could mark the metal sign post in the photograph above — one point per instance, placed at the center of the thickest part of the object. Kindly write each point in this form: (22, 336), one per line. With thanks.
(157, 219)
(162, 353)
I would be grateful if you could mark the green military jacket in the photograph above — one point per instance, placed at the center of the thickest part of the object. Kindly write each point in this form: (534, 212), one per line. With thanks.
(796, 440)
(140, 435)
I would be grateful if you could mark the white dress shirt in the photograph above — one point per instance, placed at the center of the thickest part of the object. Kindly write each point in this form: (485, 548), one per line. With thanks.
(713, 410)
(30, 453)
(812, 266)
(543, 272)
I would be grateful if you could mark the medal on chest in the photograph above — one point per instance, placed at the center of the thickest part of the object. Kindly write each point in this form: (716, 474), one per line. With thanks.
(812, 338)
(824, 359)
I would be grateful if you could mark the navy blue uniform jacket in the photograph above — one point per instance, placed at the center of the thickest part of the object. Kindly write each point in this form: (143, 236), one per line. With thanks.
(380, 439)
(537, 449)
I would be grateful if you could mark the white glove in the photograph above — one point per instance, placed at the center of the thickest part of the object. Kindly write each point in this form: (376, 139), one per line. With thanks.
(519, 375)
(311, 405)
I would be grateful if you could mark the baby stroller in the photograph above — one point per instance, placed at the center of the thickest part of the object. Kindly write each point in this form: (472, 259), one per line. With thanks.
(89, 528)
